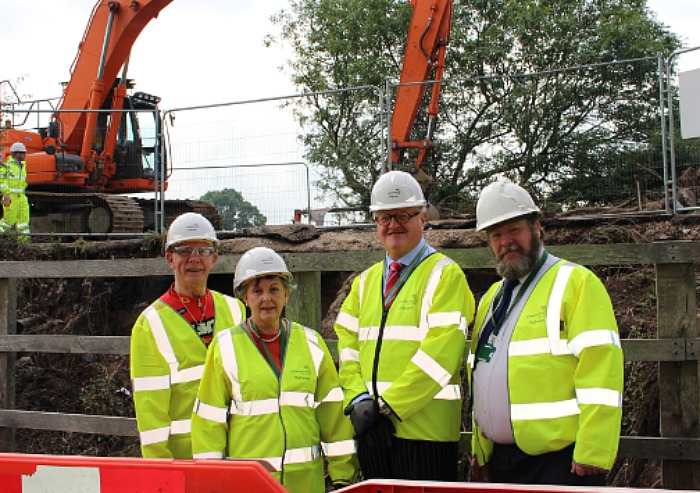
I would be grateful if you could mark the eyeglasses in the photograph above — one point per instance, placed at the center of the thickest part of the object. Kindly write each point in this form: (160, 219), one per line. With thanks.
(401, 218)
(186, 250)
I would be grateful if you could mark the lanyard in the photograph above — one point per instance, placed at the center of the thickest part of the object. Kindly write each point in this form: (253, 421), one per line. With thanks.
(404, 275)
(267, 355)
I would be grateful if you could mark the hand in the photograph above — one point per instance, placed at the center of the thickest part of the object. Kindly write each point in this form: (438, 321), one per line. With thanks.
(6, 200)
(363, 415)
(380, 433)
(479, 474)
(585, 470)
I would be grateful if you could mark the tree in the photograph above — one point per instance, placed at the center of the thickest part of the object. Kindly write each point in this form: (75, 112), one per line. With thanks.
(235, 211)
(515, 109)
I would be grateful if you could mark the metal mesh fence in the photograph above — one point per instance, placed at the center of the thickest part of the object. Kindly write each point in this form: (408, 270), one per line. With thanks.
(582, 137)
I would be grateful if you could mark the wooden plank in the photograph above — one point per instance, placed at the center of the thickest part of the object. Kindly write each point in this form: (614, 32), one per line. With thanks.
(73, 423)
(67, 344)
(469, 258)
(678, 381)
(304, 304)
(8, 325)
(678, 349)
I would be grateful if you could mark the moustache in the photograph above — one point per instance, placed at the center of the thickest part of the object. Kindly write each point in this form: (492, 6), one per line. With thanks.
(508, 249)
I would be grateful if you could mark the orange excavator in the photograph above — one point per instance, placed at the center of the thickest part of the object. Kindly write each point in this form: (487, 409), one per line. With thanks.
(92, 152)
(423, 61)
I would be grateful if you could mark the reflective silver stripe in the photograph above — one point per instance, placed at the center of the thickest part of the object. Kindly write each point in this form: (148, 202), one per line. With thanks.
(444, 318)
(188, 374)
(537, 346)
(394, 333)
(590, 338)
(166, 350)
(17, 190)
(208, 455)
(255, 408)
(314, 348)
(141, 384)
(451, 392)
(334, 395)
(470, 359)
(235, 309)
(158, 435)
(361, 289)
(336, 449)
(429, 292)
(348, 354)
(271, 463)
(431, 367)
(297, 399)
(347, 321)
(599, 396)
(229, 363)
(301, 455)
(212, 413)
(293, 456)
(544, 410)
(556, 297)
(181, 426)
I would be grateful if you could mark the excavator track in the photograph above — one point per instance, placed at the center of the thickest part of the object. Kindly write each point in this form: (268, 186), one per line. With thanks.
(81, 213)
(99, 213)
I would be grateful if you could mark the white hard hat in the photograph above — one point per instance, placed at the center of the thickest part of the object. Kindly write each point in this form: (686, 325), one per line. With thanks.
(260, 262)
(18, 147)
(503, 201)
(396, 190)
(190, 226)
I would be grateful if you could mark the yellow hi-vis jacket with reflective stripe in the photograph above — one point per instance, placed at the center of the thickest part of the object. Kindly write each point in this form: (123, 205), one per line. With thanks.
(244, 412)
(422, 349)
(167, 359)
(565, 368)
(13, 177)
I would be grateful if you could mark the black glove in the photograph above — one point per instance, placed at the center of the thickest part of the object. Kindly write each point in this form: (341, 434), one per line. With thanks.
(363, 415)
(380, 433)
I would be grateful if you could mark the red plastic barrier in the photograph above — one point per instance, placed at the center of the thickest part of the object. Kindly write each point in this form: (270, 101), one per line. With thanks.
(398, 486)
(27, 473)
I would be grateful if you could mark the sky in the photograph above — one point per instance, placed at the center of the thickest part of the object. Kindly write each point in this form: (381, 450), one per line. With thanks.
(204, 52)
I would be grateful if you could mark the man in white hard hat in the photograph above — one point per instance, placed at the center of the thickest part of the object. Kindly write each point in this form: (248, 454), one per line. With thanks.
(401, 337)
(170, 338)
(545, 361)
(13, 183)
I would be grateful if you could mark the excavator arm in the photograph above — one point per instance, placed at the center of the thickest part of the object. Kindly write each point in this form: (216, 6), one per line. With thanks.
(424, 60)
(104, 50)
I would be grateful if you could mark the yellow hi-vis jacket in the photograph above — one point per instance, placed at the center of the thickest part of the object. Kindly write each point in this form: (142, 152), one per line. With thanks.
(14, 176)
(422, 348)
(244, 412)
(13, 181)
(565, 368)
(167, 360)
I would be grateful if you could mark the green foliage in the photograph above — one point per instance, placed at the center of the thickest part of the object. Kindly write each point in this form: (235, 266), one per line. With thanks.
(235, 211)
(512, 107)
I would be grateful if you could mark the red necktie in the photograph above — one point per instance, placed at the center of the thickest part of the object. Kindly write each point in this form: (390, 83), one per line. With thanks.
(394, 272)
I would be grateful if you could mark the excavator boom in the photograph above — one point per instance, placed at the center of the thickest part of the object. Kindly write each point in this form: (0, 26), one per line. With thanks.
(424, 60)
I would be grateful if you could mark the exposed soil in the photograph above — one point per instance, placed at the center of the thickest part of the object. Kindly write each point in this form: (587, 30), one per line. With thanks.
(93, 384)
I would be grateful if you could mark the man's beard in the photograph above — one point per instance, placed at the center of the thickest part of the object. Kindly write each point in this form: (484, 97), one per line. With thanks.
(527, 261)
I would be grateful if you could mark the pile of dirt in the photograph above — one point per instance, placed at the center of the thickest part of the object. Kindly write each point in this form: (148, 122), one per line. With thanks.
(96, 384)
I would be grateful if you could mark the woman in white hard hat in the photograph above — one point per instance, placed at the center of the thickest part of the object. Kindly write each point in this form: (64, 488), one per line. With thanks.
(170, 338)
(270, 388)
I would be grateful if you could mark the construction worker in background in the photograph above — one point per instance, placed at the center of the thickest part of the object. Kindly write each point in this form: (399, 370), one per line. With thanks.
(401, 340)
(546, 364)
(13, 183)
(170, 338)
(270, 389)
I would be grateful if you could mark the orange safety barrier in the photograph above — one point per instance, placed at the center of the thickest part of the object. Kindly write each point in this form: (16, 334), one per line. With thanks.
(28, 473)
(400, 486)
